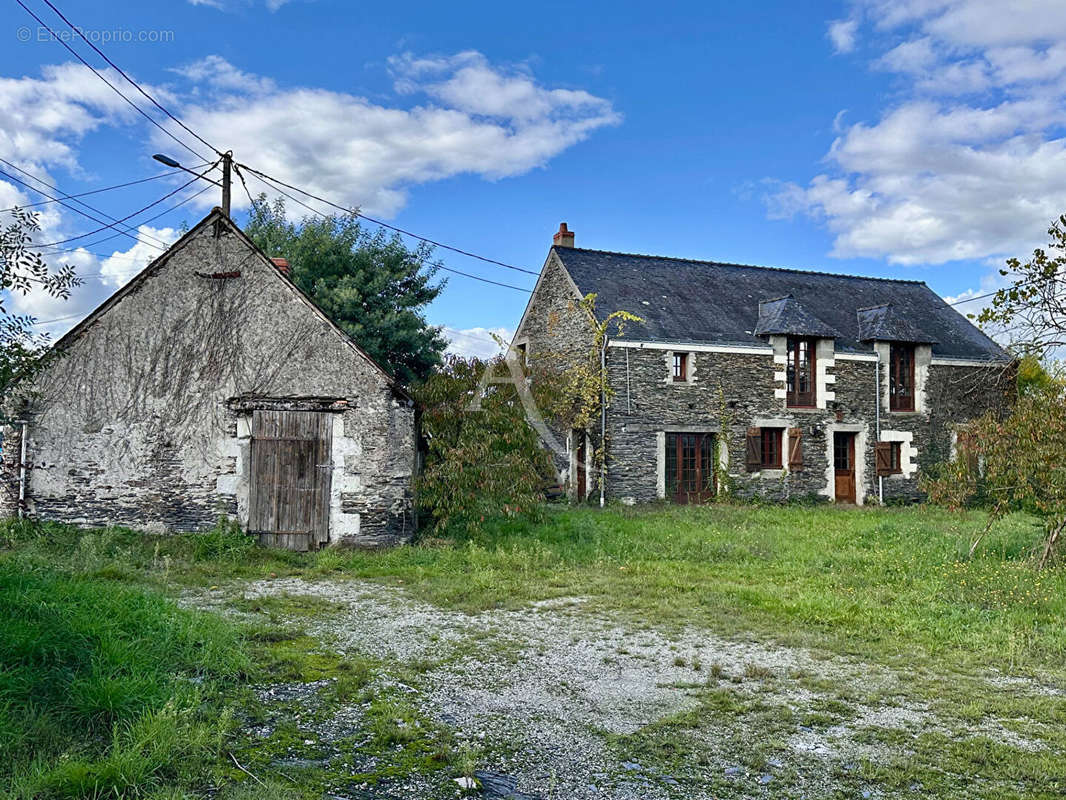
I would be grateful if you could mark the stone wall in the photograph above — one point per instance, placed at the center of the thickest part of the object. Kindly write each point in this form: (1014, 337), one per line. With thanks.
(732, 391)
(134, 424)
(556, 336)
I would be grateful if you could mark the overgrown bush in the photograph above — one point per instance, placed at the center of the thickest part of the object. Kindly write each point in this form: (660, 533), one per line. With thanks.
(1016, 463)
(480, 462)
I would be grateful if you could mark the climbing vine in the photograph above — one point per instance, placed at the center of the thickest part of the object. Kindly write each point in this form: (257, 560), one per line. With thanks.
(582, 390)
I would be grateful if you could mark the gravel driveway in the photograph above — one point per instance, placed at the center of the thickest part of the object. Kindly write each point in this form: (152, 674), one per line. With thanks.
(570, 704)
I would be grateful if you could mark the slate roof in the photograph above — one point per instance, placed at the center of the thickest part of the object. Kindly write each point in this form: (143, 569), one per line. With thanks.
(883, 324)
(709, 302)
(786, 315)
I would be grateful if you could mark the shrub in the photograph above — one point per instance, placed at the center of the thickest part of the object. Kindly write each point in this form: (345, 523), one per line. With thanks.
(482, 462)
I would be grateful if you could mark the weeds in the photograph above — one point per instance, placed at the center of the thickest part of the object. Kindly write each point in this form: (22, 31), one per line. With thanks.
(105, 689)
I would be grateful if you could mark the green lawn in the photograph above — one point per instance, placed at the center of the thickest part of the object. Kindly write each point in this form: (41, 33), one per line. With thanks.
(107, 687)
(887, 583)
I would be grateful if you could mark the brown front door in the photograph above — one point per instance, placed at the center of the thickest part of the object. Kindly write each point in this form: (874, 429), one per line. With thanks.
(844, 466)
(581, 486)
(690, 474)
(288, 504)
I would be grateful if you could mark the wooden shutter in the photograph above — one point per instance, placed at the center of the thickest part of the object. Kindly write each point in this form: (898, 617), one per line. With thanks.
(883, 458)
(753, 457)
(795, 449)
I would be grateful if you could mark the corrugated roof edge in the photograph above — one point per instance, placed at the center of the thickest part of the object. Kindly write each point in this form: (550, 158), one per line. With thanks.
(563, 250)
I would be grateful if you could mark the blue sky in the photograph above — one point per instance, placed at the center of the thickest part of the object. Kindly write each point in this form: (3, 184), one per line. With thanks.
(918, 138)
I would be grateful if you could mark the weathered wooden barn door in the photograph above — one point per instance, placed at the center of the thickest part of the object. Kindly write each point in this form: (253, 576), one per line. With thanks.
(288, 504)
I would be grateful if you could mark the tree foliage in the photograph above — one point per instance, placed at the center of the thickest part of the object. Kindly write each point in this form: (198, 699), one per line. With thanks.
(481, 462)
(1031, 311)
(371, 285)
(23, 351)
(1013, 463)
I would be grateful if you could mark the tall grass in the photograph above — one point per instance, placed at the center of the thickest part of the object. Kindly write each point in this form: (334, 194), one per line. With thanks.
(102, 686)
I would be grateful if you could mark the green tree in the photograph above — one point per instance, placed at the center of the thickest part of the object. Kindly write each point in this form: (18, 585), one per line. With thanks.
(23, 351)
(372, 285)
(1031, 311)
(481, 462)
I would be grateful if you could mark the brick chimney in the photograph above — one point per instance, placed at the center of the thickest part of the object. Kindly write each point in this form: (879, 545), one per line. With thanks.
(283, 266)
(564, 237)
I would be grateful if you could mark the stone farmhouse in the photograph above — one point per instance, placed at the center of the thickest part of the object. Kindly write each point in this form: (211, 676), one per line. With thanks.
(773, 382)
(210, 385)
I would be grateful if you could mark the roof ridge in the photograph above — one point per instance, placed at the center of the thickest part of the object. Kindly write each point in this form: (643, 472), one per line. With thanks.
(742, 266)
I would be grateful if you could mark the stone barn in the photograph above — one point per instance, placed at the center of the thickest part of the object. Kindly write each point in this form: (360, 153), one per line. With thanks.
(211, 386)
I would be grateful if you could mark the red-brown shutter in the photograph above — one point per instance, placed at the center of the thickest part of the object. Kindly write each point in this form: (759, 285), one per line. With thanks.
(883, 458)
(753, 458)
(795, 449)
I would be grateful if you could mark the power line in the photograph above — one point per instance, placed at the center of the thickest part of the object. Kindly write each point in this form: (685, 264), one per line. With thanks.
(251, 200)
(314, 210)
(385, 224)
(98, 191)
(114, 88)
(57, 319)
(130, 80)
(115, 235)
(60, 201)
(129, 216)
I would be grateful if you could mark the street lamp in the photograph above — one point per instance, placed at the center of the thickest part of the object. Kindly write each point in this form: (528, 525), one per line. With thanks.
(227, 160)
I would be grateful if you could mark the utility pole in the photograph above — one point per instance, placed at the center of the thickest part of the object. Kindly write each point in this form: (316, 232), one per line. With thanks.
(227, 166)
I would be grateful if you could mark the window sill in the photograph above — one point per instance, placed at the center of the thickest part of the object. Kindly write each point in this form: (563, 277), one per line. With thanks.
(770, 472)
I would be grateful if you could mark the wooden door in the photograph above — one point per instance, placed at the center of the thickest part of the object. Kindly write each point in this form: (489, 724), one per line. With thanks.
(581, 486)
(844, 466)
(288, 504)
(690, 476)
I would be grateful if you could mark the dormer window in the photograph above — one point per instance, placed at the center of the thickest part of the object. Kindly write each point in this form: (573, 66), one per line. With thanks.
(799, 373)
(680, 367)
(901, 377)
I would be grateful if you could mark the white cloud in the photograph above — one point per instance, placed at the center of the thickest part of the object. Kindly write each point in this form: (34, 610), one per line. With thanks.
(471, 118)
(475, 342)
(231, 5)
(970, 162)
(222, 75)
(478, 119)
(42, 119)
(842, 33)
(975, 23)
(101, 276)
